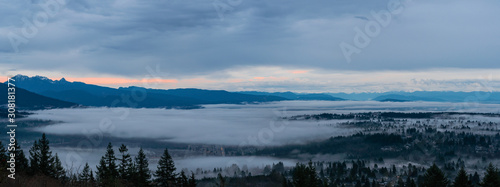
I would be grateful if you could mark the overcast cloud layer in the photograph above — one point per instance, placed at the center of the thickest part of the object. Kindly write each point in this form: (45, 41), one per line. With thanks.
(202, 38)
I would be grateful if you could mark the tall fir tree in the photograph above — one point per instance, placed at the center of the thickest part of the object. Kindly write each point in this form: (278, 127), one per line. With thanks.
(221, 180)
(21, 160)
(300, 175)
(462, 180)
(182, 180)
(475, 179)
(192, 180)
(107, 170)
(434, 177)
(125, 169)
(312, 176)
(491, 178)
(34, 158)
(59, 171)
(41, 159)
(142, 173)
(410, 182)
(84, 176)
(165, 172)
(46, 158)
(92, 179)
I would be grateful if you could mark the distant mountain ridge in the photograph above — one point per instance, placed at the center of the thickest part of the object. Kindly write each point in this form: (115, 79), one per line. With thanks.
(25, 99)
(79, 93)
(295, 96)
(433, 96)
(93, 95)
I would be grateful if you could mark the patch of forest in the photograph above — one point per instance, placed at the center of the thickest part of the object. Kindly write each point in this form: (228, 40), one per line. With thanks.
(384, 115)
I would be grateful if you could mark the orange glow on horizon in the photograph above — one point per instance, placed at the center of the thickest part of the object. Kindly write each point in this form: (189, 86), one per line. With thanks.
(271, 78)
(112, 80)
(300, 71)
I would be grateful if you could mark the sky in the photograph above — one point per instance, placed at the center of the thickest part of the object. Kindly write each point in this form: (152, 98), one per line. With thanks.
(237, 45)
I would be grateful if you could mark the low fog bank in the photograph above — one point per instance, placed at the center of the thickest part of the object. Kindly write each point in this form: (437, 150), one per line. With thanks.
(228, 124)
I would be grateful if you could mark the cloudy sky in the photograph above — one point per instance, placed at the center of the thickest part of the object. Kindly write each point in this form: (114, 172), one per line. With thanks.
(279, 45)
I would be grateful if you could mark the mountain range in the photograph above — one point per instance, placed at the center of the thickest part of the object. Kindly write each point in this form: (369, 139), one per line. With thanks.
(136, 97)
(40, 92)
(433, 96)
(25, 99)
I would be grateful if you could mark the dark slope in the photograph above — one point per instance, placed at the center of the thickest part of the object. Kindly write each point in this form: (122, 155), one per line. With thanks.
(29, 100)
(211, 96)
(294, 96)
(396, 97)
(137, 97)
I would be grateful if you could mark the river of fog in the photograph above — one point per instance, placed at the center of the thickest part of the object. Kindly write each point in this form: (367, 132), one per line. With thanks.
(225, 124)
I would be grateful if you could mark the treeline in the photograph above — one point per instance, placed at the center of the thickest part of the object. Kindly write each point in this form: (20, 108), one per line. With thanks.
(384, 115)
(45, 169)
(359, 175)
(408, 143)
(330, 116)
(359, 145)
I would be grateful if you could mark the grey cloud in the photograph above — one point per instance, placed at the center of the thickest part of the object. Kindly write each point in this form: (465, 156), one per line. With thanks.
(188, 38)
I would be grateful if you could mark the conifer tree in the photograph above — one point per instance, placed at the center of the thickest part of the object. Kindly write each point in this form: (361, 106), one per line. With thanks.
(311, 172)
(21, 161)
(59, 171)
(462, 180)
(434, 177)
(192, 181)
(102, 169)
(41, 159)
(92, 179)
(46, 158)
(491, 177)
(125, 169)
(222, 180)
(165, 174)
(107, 169)
(182, 181)
(410, 182)
(142, 172)
(475, 178)
(300, 175)
(84, 176)
(34, 158)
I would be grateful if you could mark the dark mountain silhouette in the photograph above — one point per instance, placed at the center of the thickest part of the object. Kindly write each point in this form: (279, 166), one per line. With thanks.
(136, 97)
(210, 96)
(442, 96)
(393, 100)
(56, 91)
(294, 96)
(28, 100)
(400, 98)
